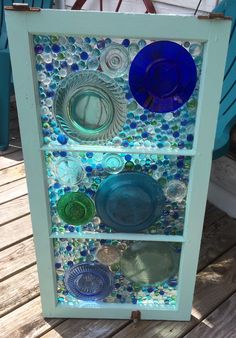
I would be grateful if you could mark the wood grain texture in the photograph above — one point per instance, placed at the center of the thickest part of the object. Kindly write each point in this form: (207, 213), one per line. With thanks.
(15, 231)
(12, 174)
(219, 324)
(13, 190)
(11, 159)
(217, 238)
(17, 258)
(86, 328)
(214, 284)
(18, 290)
(16, 208)
(26, 322)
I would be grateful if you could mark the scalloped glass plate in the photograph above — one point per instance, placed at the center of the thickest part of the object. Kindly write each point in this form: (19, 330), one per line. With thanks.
(90, 106)
(89, 281)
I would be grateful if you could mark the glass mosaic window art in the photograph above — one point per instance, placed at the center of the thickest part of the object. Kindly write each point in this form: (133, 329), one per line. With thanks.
(91, 92)
(119, 130)
(115, 273)
(101, 178)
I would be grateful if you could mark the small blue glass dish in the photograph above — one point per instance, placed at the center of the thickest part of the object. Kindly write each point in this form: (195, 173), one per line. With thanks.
(89, 281)
(129, 201)
(162, 76)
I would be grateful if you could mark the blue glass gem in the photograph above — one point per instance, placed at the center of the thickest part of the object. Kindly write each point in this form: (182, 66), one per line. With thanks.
(64, 64)
(101, 44)
(62, 139)
(190, 137)
(56, 48)
(133, 125)
(49, 67)
(126, 42)
(84, 55)
(38, 49)
(89, 281)
(74, 67)
(162, 76)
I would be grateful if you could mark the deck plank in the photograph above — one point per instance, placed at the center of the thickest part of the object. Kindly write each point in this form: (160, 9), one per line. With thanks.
(16, 258)
(214, 284)
(12, 174)
(14, 209)
(86, 328)
(219, 324)
(13, 190)
(19, 289)
(11, 159)
(26, 322)
(15, 231)
(218, 237)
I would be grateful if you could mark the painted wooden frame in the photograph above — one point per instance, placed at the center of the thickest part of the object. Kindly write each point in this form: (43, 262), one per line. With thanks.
(214, 33)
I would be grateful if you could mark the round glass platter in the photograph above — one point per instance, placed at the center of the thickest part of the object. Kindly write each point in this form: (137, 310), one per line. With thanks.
(162, 76)
(149, 262)
(129, 201)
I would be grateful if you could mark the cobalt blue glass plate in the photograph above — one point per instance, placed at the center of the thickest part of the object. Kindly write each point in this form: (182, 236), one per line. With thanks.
(162, 76)
(89, 281)
(129, 201)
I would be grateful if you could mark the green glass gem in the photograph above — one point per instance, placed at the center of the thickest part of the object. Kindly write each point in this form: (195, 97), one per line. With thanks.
(132, 105)
(129, 165)
(76, 208)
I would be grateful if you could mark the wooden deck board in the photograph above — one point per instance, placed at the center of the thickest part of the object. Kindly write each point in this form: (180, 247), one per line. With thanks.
(219, 324)
(12, 190)
(16, 258)
(15, 231)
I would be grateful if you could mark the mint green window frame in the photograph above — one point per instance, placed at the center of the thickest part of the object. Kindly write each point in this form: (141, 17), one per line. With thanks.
(214, 33)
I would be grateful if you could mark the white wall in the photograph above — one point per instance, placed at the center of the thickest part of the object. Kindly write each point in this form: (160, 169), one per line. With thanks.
(163, 7)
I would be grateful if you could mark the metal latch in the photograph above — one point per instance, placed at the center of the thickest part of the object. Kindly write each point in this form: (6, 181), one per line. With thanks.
(135, 316)
(23, 7)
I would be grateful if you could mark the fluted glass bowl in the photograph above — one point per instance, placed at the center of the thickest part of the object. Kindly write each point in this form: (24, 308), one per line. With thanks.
(90, 106)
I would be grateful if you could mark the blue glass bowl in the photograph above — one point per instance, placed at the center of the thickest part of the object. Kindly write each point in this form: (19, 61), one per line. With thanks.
(162, 76)
(89, 281)
(129, 201)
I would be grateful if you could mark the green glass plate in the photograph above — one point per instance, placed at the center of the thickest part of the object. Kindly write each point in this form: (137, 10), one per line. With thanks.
(76, 208)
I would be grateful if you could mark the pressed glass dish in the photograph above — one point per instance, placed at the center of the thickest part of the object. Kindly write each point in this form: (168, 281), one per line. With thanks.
(89, 281)
(76, 208)
(90, 106)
